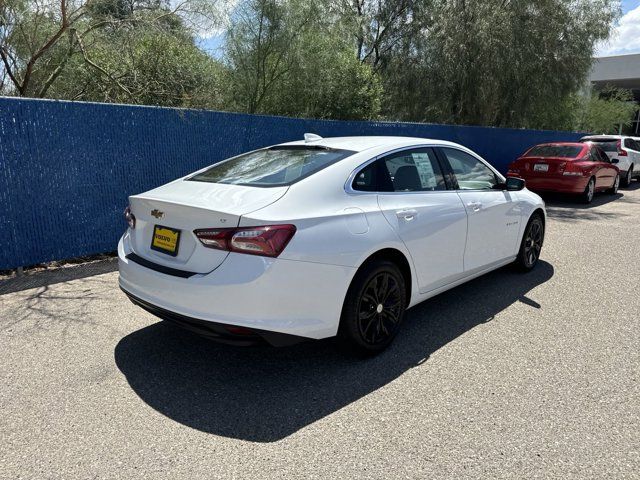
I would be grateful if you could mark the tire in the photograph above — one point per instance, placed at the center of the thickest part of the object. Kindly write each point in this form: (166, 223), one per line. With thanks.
(373, 310)
(589, 191)
(626, 181)
(614, 189)
(531, 244)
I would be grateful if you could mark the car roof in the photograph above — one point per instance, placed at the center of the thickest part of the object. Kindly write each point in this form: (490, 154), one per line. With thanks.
(560, 144)
(603, 137)
(361, 143)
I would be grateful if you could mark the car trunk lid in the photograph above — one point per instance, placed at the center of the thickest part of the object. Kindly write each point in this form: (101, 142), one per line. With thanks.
(543, 166)
(172, 212)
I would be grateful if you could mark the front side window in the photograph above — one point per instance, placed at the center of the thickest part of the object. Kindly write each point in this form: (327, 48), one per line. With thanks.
(272, 167)
(470, 172)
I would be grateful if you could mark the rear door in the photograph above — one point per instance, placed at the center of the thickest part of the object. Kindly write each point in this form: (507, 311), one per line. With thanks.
(493, 216)
(428, 216)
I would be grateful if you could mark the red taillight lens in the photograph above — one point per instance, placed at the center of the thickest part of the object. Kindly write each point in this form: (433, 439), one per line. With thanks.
(266, 240)
(621, 151)
(573, 169)
(214, 238)
(130, 217)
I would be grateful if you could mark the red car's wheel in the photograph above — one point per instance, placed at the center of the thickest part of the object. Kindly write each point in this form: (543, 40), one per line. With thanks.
(589, 191)
(616, 183)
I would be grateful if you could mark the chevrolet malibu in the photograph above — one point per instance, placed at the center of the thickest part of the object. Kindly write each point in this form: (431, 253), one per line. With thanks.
(323, 237)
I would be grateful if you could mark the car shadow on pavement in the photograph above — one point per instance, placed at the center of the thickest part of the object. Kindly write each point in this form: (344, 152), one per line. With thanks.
(265, 394)
(567, 208)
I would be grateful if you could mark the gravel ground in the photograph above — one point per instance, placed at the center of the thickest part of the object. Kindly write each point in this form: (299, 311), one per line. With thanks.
(509, 376)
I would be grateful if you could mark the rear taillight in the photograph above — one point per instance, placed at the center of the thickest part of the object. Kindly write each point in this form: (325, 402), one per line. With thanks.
(266, 240)
(573, 170)
(130, 217)
(621, 151)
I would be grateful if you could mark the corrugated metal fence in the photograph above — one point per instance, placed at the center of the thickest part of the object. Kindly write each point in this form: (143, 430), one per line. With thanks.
(66, 168)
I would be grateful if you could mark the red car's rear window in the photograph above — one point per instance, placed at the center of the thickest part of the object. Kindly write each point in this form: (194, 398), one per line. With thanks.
(562, 151)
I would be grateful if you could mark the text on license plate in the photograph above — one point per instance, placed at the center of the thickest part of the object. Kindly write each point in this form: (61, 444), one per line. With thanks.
(541, 167)
(165, 240)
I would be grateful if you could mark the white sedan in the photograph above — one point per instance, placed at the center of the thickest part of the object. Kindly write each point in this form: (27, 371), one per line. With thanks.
(323, 237)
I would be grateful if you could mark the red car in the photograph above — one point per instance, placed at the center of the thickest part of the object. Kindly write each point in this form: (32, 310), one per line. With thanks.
(577, 168)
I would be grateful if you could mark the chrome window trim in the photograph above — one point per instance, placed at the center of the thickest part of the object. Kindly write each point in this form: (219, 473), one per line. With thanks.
(348, 186)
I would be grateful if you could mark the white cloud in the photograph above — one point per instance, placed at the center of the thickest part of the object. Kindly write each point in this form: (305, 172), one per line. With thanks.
(625, 38)
(207, 18)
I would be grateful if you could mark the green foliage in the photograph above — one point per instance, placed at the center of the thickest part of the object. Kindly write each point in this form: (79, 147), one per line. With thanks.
(606, 111)
(131, 51)
(491, 62)
(285, 58)
(143, 66)
(495, 62)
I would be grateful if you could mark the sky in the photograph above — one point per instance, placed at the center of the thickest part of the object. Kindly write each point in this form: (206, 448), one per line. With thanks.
(624, 40)
(626, 36)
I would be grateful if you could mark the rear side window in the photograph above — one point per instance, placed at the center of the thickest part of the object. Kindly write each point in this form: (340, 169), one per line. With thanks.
(272, 167)
(415, 170)
(603, 156)
(632, 144)
(562, 151)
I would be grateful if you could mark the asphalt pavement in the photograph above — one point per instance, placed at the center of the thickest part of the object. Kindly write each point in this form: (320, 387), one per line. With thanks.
(509, 376)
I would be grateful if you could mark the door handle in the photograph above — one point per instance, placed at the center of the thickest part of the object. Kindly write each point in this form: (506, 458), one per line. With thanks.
(408, 214)
(475, 206)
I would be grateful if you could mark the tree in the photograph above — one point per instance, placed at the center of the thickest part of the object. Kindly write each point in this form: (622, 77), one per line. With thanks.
(378, 26)
(606, 111)
(294, 58)
(496, 62)
(38, 38)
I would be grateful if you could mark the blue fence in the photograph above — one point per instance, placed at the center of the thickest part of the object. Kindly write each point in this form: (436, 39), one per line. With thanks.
(66, 168)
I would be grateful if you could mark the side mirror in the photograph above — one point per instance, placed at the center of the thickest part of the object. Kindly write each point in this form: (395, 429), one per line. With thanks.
(615, 160)
(514, 184)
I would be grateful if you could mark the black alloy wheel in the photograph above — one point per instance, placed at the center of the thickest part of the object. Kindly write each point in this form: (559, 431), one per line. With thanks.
(380, 309)
(373, 308)
(531, 245)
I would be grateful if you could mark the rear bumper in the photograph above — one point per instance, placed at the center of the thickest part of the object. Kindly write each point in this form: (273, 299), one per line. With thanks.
(559, 183)
(216, 331)
(266, 295)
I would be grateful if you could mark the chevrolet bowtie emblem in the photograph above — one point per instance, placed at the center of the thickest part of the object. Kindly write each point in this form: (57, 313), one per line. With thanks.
(157, 213)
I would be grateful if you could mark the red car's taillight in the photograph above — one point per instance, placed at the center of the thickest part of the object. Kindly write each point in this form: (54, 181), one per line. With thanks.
(621, 151)
(130, 217)
(266, 240)
(573, 170)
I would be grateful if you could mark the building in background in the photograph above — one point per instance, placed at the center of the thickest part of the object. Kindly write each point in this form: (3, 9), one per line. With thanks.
(621, 71)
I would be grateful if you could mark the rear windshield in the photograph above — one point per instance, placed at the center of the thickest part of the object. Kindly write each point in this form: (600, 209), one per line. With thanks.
(563, 151)
(606, 145)
(272, 167)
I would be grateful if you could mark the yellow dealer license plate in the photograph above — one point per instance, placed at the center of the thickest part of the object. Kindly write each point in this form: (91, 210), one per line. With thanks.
(165, 240)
